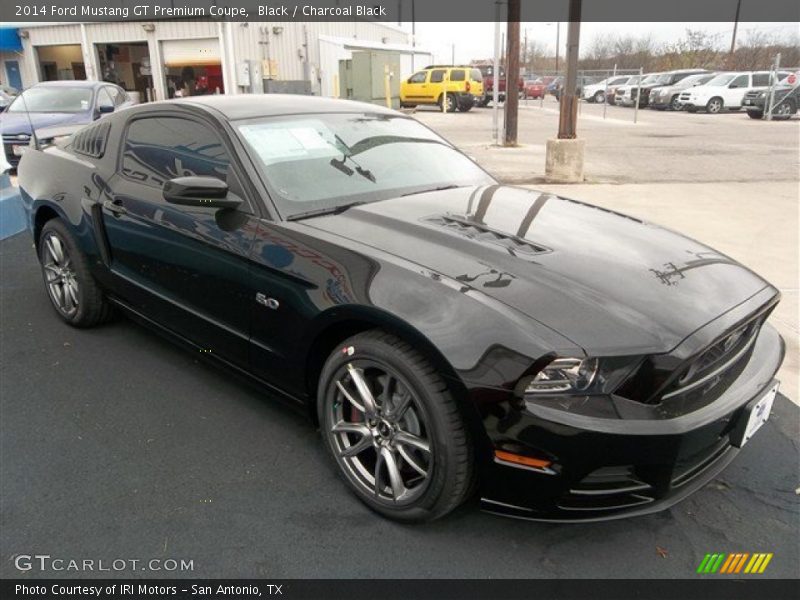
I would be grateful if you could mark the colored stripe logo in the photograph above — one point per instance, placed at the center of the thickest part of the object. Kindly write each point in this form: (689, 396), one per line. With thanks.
(740, 562)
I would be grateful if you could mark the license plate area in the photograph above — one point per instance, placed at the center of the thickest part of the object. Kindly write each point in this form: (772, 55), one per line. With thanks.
(755, 414)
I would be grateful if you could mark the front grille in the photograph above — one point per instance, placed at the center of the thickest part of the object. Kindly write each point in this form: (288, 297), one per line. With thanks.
(16, 138)
(689, 467)
(713, 362)
(608, 488)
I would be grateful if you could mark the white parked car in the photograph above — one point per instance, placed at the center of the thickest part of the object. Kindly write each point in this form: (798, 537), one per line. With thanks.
(596, 92)
(725, 91)
(627, 94)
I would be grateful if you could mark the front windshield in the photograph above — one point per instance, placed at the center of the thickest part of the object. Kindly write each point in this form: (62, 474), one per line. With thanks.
(650, 79)
(720, 80)
(53, 99)
(321, 161)
(665, 78)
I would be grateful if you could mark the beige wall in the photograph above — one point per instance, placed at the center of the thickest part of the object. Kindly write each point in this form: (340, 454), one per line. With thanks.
(63, 56)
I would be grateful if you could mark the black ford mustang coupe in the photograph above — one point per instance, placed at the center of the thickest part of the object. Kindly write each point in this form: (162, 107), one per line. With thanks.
(447, 333)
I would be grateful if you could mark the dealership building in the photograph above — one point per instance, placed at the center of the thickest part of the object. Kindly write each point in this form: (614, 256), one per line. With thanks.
(161, 59)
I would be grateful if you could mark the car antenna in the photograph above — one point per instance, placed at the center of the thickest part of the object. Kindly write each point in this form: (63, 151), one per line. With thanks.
(34, 139)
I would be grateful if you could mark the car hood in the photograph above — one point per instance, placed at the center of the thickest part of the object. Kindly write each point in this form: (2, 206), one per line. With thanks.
(21, 123)
(610, 283)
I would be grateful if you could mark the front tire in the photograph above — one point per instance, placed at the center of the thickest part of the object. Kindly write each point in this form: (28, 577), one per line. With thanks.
(599, 97)
(393, 428)
(755, 114)
(73, 292)
(714, 106)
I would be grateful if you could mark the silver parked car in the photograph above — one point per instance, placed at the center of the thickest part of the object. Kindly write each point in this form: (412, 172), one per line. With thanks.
(668, 97)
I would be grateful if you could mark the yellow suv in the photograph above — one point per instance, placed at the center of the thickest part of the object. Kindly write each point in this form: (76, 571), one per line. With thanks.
(463, 86)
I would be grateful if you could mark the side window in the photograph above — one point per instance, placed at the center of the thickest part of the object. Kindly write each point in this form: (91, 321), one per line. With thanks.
(760, 79)
(118, 95)
(437, 76)
(458, 75)
(103, 99)
(417, 77)
(157, 149)
(740, 82)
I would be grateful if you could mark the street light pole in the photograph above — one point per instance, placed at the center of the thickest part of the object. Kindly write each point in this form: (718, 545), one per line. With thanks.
(558, 43)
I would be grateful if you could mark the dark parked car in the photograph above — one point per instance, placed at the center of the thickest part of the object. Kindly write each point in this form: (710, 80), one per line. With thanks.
(664, 79)
(785, 99)
(56, 103)
(446, 332)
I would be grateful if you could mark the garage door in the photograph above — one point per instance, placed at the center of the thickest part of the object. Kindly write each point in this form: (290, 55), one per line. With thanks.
(191, 52)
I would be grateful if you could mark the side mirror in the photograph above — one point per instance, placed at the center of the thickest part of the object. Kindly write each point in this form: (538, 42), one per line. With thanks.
(199, 191)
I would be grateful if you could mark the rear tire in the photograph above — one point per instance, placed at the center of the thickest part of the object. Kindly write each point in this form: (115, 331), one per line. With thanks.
(403, 436)
(452, 103)
(784, 110)
(73, 292)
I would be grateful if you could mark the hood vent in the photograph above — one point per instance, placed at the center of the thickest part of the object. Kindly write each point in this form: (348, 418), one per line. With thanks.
(479, 232)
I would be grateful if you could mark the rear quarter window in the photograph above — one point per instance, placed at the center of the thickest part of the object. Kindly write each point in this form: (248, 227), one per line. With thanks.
(475, 74)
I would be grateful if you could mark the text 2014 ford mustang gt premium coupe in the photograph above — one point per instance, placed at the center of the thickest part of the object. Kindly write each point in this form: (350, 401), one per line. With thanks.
(449, 334)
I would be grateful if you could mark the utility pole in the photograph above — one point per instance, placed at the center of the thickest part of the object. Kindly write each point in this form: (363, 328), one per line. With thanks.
(496, 76)
(512, 74)
(564, 159)
(733, 37)
(568, 116)
(558, 43)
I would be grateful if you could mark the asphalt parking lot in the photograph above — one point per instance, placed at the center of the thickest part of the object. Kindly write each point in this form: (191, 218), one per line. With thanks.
(116, 444)
(663, 146)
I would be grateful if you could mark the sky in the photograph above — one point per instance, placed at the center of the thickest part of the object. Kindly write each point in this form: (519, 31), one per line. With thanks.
(474, 40)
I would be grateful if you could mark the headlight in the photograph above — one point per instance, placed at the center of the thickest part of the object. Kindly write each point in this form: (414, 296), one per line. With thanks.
(564, 374)
(581, 375)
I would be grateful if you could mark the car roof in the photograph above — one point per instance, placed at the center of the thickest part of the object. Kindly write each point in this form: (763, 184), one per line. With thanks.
(81, 83)
(250, 106)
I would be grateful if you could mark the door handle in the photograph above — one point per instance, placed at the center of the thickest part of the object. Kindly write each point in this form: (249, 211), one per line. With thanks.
(115, 207)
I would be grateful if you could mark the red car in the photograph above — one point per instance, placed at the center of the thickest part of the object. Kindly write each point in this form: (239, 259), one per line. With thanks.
(535, 88)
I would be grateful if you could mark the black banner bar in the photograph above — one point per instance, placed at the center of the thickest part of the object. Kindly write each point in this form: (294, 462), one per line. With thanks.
(707, 588)
(396, 11)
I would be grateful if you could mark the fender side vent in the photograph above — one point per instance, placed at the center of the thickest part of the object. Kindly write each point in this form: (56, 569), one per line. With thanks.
(479, 232)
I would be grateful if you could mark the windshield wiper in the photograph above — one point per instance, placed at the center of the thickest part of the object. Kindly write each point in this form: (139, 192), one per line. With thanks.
(329, 210)
(452, 186)
(347, 154)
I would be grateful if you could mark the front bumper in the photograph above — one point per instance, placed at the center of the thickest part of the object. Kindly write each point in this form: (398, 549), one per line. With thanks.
(610, 468)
